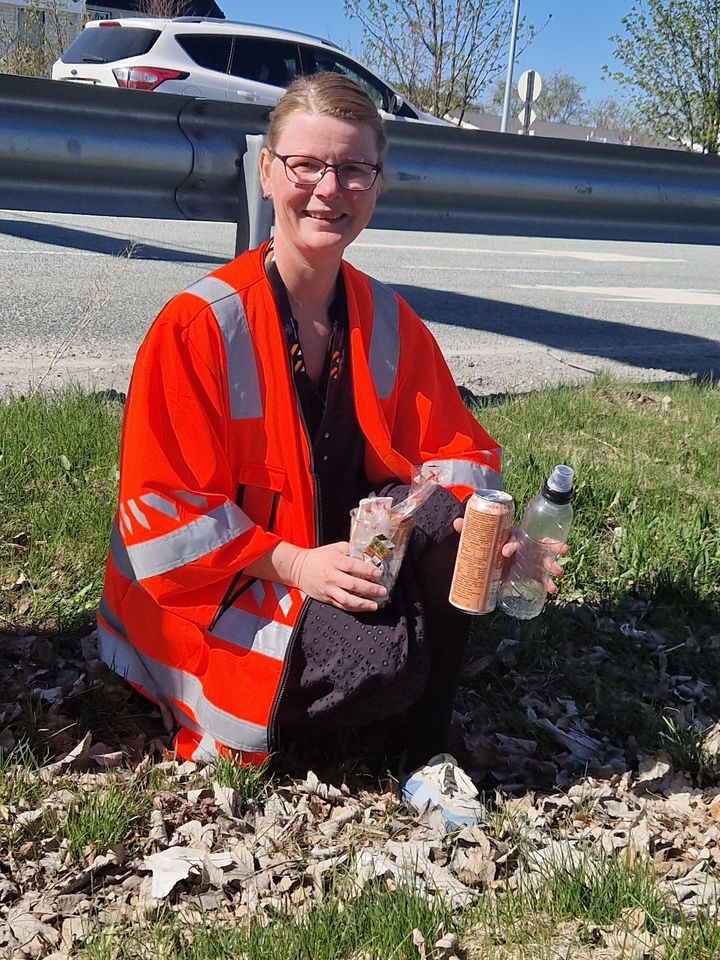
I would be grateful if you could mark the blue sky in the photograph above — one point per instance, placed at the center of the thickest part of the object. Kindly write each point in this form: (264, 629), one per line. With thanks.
(575, 40)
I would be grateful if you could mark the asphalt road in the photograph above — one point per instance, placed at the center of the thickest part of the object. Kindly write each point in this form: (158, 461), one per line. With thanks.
(510, 313)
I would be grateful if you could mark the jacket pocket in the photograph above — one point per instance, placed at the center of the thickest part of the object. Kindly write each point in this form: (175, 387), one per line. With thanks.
(260, 486)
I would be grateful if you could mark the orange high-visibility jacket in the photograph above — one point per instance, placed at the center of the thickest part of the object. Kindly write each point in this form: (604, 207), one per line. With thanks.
(216, 468)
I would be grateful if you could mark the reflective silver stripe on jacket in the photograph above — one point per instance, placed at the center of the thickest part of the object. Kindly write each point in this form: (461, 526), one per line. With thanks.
(190, 542)
(252, 632)
(283, 596)
(385, 339)
(138, 514)
(466, 474)
(169, 684)
(110, 618)
(194, 499)
(124, 518)
(227, 308)
(205, 751)
(119, 554)
(161, 504)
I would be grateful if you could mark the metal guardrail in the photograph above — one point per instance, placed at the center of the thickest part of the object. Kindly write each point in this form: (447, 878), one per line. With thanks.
(94, 150)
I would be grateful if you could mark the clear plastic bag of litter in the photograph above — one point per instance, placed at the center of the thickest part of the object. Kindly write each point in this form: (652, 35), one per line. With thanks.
(380, 531)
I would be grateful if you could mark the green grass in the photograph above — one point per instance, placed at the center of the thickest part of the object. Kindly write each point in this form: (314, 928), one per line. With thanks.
(645, 556)
(696, 940)
(560, 917)
(58, 486)
(563, 909)
(20, 785)
(647, 514)
(19, 778)
(591, 886)
(639, 603)
(376, 924)
(248, 782)
(686, 748)
(645, 544)
(598, 889)
(102, 819)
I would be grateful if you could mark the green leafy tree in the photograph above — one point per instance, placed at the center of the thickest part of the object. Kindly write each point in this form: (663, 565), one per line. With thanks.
(670, 53)
(440, 53)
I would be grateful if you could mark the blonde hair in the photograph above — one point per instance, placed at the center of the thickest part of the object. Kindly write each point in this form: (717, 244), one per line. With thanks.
(328, 95)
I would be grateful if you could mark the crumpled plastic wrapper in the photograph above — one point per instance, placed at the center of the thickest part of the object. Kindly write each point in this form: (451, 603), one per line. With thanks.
(379, 531)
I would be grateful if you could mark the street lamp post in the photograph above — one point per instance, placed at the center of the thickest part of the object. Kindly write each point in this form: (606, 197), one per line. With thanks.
(511, 63)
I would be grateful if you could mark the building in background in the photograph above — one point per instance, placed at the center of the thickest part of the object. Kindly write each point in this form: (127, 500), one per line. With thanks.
(33, 33)
(476, 120)
(97, 10)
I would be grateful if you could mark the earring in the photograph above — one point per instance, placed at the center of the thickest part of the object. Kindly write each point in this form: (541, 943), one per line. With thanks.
(267, 196)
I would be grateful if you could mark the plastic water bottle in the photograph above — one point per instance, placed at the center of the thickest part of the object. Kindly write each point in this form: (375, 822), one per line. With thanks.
(543, 529)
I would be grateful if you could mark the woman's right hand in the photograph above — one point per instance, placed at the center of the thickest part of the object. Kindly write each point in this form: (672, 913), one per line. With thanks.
(508, 550)
(331, 575)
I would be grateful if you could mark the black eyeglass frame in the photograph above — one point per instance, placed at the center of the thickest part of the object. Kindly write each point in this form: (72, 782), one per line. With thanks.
(375, 167)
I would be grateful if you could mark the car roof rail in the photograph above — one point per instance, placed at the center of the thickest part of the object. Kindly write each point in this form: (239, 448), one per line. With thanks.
(257, 26)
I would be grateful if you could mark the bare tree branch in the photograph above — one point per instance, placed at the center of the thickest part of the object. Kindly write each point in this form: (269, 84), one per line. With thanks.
(456, 47)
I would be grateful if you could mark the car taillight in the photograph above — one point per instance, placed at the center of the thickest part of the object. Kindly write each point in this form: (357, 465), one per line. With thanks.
(146, 78)
(109, 23)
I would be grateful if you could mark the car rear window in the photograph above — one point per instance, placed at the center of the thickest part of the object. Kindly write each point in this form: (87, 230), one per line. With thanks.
(107, 44)
(207, 51)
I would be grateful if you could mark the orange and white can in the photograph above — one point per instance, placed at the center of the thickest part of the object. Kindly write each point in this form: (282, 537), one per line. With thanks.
(478, 565)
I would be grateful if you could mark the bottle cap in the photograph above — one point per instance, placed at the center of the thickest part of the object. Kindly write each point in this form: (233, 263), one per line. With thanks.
(561, 479)
(558, 487)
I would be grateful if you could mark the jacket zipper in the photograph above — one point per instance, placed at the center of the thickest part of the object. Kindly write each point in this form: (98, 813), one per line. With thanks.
(272, 720)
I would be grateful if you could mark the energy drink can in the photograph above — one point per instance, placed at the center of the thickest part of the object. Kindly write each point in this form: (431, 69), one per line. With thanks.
(478, 565)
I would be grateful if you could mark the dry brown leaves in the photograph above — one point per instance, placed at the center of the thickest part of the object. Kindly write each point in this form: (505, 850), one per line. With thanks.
(197, 849)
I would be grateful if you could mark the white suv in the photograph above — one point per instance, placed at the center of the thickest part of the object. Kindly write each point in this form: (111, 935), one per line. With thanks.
(217, 59)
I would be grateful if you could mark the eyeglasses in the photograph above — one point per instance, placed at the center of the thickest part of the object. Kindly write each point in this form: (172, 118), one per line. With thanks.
(352, 175)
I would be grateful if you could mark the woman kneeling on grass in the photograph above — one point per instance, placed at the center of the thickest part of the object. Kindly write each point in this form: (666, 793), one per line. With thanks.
(266, 400)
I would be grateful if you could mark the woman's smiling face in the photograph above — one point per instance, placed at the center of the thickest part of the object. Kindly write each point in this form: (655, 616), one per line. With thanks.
(319, 220)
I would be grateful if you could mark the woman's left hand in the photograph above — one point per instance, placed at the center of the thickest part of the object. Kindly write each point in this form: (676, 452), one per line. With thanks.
(509, 548)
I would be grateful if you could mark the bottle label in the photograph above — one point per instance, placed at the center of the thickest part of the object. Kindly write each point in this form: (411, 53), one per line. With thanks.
(476, 579)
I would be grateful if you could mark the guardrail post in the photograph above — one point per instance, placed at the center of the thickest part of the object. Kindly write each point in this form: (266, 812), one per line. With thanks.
(255, 221)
